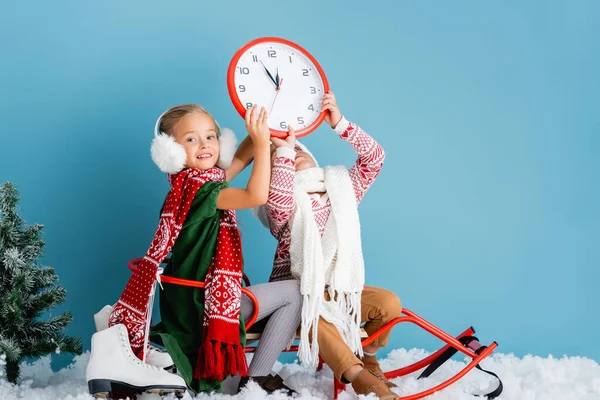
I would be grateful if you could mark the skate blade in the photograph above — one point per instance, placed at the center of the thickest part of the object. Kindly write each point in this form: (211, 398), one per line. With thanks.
(108, 389)
(163, 392)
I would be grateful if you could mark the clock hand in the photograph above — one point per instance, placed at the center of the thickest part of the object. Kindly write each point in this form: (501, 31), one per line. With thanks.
(277, 79)
(270, 76)
(273, 102)
(276, 94)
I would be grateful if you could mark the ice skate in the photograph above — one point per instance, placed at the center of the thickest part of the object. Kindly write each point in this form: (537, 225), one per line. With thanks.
(157, 357)
(112, 362)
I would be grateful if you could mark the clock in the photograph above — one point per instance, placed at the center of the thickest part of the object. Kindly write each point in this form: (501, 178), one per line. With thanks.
(283, 77)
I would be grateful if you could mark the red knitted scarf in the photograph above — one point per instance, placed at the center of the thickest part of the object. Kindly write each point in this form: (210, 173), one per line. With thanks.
(221, 353)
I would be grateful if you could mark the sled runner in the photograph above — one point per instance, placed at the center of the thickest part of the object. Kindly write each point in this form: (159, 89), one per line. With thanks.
(465, 343)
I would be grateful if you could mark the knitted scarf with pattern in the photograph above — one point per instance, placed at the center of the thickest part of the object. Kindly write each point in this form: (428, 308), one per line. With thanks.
(221, 353)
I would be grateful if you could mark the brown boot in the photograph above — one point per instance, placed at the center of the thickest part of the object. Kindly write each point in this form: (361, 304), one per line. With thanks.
(371, 364)
(269, 383)
(365, 382)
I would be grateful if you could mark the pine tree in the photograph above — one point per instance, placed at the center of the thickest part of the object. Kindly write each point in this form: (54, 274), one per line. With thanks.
(27, 291)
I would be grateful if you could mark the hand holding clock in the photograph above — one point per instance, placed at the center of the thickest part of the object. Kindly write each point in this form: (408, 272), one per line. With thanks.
(289, 142)
(334, 115)
(256, 125)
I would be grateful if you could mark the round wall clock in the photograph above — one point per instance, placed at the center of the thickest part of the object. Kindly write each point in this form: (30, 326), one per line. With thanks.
(283, 77)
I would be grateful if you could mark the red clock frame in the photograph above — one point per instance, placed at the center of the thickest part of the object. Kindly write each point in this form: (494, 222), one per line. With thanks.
(240, 107)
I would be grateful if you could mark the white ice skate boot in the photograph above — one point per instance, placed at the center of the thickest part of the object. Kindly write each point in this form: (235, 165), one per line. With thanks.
(157, 357)
(112, 362)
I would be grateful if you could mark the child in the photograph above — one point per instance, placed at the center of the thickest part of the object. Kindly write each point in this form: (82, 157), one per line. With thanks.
(313, 214)
(201, 330)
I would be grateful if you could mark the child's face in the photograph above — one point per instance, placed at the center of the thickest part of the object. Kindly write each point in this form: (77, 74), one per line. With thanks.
(303, 160)
(197, 133)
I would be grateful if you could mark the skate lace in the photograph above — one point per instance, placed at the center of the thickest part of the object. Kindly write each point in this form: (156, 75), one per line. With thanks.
(378, 373)
(149, 311)
(129, 352)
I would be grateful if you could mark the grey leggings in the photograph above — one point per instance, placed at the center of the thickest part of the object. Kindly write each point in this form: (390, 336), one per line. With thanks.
(282, 302)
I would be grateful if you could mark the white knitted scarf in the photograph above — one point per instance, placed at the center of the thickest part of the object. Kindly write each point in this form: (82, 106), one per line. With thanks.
(333, 262)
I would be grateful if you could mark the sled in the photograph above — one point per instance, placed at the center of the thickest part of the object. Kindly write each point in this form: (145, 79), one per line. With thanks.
(465, 343)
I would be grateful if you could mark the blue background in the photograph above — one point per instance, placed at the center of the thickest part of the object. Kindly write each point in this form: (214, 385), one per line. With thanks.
(486, 212)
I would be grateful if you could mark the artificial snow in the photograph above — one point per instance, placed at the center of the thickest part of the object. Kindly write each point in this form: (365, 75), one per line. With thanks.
(527, 378)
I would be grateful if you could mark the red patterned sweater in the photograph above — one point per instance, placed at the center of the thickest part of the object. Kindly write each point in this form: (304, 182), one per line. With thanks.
(280, 205)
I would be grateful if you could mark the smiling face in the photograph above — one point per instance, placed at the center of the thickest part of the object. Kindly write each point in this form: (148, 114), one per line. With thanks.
(197, 133)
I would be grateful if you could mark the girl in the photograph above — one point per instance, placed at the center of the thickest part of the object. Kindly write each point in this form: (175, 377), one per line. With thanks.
(202, 331)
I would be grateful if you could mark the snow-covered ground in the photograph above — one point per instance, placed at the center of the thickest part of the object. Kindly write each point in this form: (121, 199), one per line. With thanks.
(527, 378)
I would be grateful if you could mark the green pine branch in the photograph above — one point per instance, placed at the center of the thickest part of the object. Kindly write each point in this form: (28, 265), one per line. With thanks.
(12, 260)
(54, 344)
(35, 305)
(44, 278)
(9, 200)
(39, 328)
(10, 349)
(35, 246)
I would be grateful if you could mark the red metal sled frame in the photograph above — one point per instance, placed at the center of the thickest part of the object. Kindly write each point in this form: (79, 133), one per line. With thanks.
(408, 316)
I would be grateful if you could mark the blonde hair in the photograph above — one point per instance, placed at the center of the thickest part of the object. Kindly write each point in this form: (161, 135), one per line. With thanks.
(172, 116)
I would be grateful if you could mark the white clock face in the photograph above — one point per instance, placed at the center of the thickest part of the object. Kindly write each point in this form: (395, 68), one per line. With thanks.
(284, 80)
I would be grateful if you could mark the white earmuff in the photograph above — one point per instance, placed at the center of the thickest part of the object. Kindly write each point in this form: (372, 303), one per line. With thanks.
(170, 156)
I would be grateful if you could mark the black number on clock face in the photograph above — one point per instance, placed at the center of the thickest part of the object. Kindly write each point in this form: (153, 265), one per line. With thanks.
(301, 120)
(248, 106)
(290, 59)
(255, 58)
(244, 70)
(313, 90)
(272, 53)
(311, 108)
(242, 88)
(283, 125)
(304, 72)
